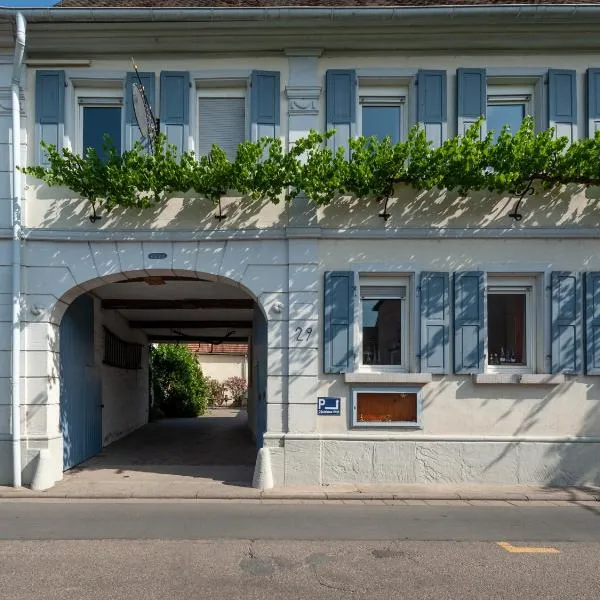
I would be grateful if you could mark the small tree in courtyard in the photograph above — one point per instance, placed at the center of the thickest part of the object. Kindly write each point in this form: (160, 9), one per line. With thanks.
(177, 380)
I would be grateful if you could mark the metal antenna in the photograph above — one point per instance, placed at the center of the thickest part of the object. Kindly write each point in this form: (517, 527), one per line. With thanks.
(148, 125)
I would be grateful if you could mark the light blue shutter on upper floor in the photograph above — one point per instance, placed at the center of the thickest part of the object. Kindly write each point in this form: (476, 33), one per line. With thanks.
(566, 322)
(469, 321)
(593, 101)
(340, 100)
(265, 99)
(562, 102)
(175, 108)
(49, 111)
(592, 323)
(471, 97)
(338, 351)
(432, 104)
(132, 131)
(435, 322)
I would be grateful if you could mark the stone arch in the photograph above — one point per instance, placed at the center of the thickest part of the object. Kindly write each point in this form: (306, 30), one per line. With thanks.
(59, 273)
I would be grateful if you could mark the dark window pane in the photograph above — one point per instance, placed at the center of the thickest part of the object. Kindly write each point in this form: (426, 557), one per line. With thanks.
(381, 328)
(506, 329)
(381, 121)
(98, 121)
(499, 115)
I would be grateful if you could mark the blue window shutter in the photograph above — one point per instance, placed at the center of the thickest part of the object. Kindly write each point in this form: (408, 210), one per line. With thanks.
(593, 101)
(49, 110)
(132, 131)
(562, 102)
(265, 100)
(471, 97)
(566, 322)
(435, 322)
(175, 108)
(340, 100)
(592, 323)
(338, 351)
(469, 321)
(432, 105)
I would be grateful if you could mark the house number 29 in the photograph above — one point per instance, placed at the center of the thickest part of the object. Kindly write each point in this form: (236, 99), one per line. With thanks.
(303, 334)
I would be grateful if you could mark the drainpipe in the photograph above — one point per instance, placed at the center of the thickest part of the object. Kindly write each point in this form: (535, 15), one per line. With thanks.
(16, 248)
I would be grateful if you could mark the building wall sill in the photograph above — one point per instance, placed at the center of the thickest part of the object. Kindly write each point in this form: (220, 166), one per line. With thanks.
(517, 379)
(397, 378)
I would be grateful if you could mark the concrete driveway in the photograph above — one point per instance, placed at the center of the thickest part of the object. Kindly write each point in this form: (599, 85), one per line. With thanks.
(171, 457)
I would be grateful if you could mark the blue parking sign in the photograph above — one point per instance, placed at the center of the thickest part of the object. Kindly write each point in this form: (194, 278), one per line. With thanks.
(328, 405)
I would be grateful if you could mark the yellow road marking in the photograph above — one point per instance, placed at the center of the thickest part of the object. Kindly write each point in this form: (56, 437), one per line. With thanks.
(526, 549)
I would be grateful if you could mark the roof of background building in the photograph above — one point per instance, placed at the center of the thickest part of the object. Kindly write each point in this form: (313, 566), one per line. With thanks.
(303, 3)
(223, 348)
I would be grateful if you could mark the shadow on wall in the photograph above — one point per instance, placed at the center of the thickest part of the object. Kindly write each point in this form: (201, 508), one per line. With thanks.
(569, 205)
(578, 463)
(61, 208)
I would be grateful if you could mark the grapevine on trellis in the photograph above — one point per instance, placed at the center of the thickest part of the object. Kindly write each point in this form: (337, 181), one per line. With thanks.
(372, 168)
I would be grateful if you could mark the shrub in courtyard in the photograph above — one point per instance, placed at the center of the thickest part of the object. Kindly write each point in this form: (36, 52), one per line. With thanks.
(215, 392)
(178, 384)
(236, 389)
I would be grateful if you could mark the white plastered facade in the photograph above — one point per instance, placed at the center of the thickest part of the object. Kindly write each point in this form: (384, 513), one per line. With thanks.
(506, 432)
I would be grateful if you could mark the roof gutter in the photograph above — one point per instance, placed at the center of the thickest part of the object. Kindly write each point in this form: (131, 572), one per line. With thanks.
(64, 15)
(15, 372)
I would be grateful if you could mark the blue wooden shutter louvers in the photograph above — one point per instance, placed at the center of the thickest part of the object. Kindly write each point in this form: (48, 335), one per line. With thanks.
(471, 86)
(338, 352)
(340, 101)
(592, 323)
(132, 131)
(175, 108)
(265, 99)
(469, 321)
(593, 101)
(566, 322)
(435, 322)
(49, 111)
(562, 102)
(432, 104)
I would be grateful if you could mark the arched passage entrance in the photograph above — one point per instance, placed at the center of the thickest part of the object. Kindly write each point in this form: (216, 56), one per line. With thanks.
(105, 334)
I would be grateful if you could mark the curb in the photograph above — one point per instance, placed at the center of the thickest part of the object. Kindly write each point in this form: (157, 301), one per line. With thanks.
(317, 496)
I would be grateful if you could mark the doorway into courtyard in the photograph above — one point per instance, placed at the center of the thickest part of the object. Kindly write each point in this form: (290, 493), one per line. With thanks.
(110, 426)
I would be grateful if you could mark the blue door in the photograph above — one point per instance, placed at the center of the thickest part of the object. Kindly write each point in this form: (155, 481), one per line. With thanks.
(80, 392)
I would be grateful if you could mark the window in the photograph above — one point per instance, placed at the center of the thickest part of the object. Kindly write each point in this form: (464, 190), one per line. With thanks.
(100, 115)
(384, 323)
(511, 324)
(221, 119)
(386, 407)
(382, 112)
(121, 354)
(508, 105)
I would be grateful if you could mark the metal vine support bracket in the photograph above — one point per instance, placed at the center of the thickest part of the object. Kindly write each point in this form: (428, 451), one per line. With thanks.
(528, 190)
(385, 215)
(94, 216)
(220, 216)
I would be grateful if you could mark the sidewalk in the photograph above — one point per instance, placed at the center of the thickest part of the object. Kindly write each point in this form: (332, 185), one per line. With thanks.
(161, 486)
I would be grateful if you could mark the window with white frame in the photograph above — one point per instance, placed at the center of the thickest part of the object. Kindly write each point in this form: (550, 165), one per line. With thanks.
(221, 117)
(508, 105)
(511, 324)
(99, 119)
(383, 323)
(382, 112)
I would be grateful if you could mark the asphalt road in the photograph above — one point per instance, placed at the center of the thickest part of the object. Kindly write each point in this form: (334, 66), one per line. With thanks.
(181, 551)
